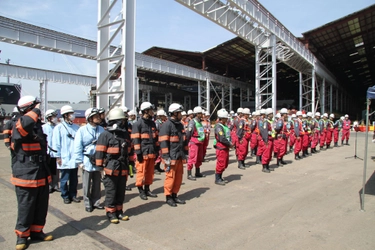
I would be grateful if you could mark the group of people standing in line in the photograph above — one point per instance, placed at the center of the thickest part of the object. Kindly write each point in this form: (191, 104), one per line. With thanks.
(109, 149)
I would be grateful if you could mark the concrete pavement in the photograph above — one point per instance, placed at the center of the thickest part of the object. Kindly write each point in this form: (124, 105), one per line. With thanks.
(313, 203)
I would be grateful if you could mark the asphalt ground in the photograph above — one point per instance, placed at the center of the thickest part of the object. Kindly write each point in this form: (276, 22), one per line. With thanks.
(313, 203)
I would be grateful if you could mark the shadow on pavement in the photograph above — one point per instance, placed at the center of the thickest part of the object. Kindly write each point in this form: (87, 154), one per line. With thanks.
(74, 227)
(233, 177)
(369, 187)
(147, 207)
(208, 172)
(195, 193)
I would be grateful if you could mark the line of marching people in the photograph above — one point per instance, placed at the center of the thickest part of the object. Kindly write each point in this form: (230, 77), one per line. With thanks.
(267, 136)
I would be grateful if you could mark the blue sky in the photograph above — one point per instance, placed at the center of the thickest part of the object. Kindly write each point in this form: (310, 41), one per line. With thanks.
(163, 23)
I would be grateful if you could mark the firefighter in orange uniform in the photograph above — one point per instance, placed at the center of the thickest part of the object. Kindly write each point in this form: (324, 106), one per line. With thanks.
(174, 151)
(114, 153)
(32, 190)
(146, 147)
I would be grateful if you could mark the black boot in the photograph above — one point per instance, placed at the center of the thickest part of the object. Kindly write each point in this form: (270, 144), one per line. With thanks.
(313, 151)
(270, 168)
(244, 165)
(240, 165)
(148, 192)
(198, 173)
(218, 180)
(279, 164)
(258, 160)
(274, 155)
(304, 153)
(112, 217)
(142, 193)
(347, 142)
(21, 243)
(221, 177)
(190, 176)
(328, 146)
(170, 201)
(296, 157)
(336, 145)
(291, 150)
(282, 161)
(177, 200)
(265, 170)
(121, 216)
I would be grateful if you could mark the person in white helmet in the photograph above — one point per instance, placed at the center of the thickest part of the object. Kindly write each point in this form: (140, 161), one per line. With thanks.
(323, 131)
(254, 133)
(30, 175)
(51, 122)
(146, 147)
(161, 117)
(196, 136)
(132, 117)
(234, 126)
(306, 135)
(63, 141)
(114, 154)
(281, 138)
(345, 130)
(292, 135)
(84, 155)
(310, 129)
(174, 148)
(267, 133)
(206, 123)
(243, 137)
(315, 133)
(330, 129)
(222, 144)
(103, 122)
(299, 132)
(337, 126)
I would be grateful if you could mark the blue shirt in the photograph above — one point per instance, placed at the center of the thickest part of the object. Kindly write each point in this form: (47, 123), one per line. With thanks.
(47, 130)
(63, 142)
(84, 145)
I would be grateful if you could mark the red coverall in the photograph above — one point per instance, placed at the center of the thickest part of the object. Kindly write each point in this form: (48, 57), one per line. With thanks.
(298, 130)
(267, 141)
(243, 135)
(323, 128)
(316, 132)
(345, 130)
(195, 146)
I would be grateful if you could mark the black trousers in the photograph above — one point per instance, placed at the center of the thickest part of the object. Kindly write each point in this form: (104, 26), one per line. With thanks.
(114, 192)
(32, 209)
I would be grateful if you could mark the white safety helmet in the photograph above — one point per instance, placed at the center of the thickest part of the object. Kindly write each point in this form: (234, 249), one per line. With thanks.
(325, 115)
(197, 110)
(309, 114)
(239, 110)
(269, 111)
(91, 112)
(131, 112)
(278, 115)
(304, 115)
(257, 112)
(146, 105)
(299, 113)
(342, 118)
(161, 113)
(207, 113)
(235, 114)
(294, 116)
(26, 102)
(231, 112)
(140, 112)
(66, 109)
(283, 111)
(190, 112)
(346, 116)
(124, 109)
(183, 113)
(317, 114)
(222, 113)
(15, 110)
(262, 111)
(49, 113)
(116, 114)
(253, 113)
(175, 107)
(332, 115)
(246, 111)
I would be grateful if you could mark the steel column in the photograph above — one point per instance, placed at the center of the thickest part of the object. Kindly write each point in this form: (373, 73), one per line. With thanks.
(274, 72)
(330, 98)
(313, 103)
(168, 100)
(199, 94)
(222, 97)
(300, 90)
(337, 100)
(323, 96)
(130, 71)
(230, 97)
(43, 97)
(187, 102)
(208, 95)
